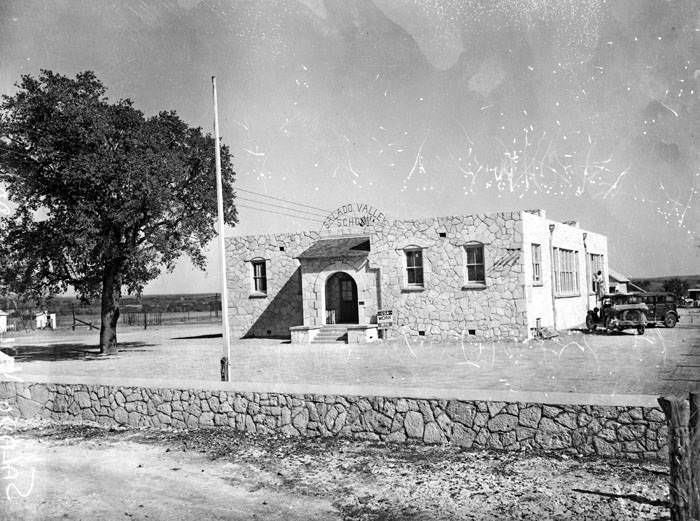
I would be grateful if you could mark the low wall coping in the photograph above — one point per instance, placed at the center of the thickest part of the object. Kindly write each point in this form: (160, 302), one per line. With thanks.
(544, 397)
(361, 326)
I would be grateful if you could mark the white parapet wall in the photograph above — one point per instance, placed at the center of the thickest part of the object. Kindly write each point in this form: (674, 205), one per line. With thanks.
(7, 364)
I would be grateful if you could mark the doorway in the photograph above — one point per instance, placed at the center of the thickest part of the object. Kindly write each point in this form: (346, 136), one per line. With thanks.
(341, 299)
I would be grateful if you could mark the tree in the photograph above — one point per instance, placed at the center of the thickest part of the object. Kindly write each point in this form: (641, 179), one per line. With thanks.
(644, 284)
(105, 197)
(676, 285)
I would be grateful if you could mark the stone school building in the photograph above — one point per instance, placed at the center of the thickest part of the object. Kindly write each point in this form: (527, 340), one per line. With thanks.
(481, 277)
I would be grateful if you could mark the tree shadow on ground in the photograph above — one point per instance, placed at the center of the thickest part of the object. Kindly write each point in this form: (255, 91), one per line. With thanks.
(59, 352)
(632, 497)
(194, 337)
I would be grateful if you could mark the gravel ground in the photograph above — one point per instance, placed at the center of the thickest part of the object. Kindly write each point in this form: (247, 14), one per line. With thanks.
(573, 362)
(341, 479)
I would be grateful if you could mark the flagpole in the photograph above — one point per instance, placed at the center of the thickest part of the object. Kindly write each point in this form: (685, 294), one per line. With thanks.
(226, 357)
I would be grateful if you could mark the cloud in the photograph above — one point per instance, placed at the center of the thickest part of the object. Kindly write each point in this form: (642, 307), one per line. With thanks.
(317, 6)
(436, 28)
(188, 4)
(489, 76)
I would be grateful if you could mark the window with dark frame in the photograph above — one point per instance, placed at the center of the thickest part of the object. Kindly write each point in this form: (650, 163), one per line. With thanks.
(259, 276)
(414, 267)
(536, 263)
(476, 272)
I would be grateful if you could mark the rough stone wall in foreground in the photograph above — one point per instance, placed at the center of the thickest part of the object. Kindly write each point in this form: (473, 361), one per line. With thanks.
(628, 432)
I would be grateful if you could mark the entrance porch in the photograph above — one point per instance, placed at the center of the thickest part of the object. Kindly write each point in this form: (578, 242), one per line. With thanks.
(339, 292)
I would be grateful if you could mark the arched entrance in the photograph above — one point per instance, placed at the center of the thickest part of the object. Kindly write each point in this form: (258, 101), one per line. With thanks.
(341, 299)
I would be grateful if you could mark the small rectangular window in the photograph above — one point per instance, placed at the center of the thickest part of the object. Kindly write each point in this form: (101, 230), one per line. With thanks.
(414, 267)
(259, 276)
(476, 273)
(536, 263)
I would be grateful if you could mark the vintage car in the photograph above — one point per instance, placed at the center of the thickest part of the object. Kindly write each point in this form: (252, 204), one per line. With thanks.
(662, 308)
(618, 312)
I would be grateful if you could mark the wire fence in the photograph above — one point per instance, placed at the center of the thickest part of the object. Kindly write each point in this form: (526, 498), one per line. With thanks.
(689, 317)
(76, 316)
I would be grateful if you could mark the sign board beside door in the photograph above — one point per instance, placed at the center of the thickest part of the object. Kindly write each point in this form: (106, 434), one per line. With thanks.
(385, 318)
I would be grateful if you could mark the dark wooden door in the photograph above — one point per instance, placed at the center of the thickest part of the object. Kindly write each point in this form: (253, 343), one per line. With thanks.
(348, 301)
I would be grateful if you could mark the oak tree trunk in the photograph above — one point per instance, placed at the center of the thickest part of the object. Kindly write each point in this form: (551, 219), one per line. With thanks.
(111, 294)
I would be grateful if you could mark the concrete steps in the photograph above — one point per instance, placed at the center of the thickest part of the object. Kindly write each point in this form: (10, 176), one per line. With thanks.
(330, 334)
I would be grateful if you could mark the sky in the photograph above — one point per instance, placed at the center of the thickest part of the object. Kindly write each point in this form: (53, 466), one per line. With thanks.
(589, 109)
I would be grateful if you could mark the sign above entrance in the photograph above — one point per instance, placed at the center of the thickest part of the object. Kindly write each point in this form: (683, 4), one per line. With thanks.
(354, 215)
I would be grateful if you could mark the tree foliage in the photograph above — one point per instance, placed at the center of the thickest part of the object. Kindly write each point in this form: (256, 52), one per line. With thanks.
(101, 192)
(676, 285)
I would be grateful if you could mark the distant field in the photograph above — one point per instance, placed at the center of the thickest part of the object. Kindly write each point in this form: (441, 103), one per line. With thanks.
(657, 283)
(153, 309)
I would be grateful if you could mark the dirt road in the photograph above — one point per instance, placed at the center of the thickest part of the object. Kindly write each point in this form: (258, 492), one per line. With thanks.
(90, 473)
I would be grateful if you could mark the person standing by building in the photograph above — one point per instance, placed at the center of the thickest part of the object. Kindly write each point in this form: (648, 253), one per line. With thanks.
(599, 285)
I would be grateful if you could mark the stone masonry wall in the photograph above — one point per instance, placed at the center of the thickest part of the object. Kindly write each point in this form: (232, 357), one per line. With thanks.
(446, 307)
(281, 308)
(629, 432)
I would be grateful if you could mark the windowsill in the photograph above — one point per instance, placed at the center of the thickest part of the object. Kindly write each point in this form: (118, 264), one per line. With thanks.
(257, 294)
(474, 285)
(412, 289)
(573, 295)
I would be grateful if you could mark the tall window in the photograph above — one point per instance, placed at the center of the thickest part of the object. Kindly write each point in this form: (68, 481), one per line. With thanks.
(596, 265)
(536, 263)
(414, 267)
(259, 276)
(565, 272)
(475, 264)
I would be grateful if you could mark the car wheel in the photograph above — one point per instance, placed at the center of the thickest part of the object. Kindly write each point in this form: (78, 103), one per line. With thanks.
(640, 330)
(608, 325)
(670, 320)
(590, 322)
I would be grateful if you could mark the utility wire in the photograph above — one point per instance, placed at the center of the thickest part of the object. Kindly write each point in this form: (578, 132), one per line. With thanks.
(279, 213)
(278, 206)
(325, 212)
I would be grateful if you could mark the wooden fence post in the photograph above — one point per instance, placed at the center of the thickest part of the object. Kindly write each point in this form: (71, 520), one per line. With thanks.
(681, 487)
(694, 446)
